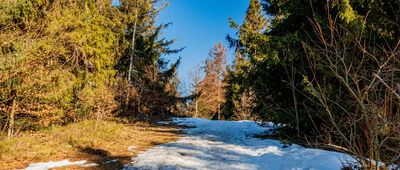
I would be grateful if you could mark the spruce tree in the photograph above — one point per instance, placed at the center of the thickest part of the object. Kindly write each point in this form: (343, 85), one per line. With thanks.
(77, 53)
(237, 90)
(212, 86)
(255, 20)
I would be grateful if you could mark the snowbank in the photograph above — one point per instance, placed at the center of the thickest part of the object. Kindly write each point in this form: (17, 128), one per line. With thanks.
(231, 145)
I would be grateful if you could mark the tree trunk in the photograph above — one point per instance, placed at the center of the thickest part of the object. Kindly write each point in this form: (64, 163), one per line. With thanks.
(295, 102)
(219, 112)
(133, 49)
(11, 119)
(131, 60)
(219, 96)
(197, 105)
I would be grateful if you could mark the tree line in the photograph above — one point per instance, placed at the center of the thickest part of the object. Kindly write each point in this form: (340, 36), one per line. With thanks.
(64, 61)
(326, 70)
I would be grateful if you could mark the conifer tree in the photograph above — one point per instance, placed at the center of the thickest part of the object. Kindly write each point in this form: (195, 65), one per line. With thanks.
(255, 20)
(61, 61)
(238, 92)
(150, 72)
(64, 71)
(212, 86)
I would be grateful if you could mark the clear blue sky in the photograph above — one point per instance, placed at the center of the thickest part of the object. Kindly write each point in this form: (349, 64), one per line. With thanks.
(197, 25)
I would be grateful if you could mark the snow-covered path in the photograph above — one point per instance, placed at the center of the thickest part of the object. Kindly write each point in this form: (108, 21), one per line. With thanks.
(231, 145)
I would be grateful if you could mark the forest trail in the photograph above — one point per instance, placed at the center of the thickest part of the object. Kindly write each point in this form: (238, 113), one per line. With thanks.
(232, 145)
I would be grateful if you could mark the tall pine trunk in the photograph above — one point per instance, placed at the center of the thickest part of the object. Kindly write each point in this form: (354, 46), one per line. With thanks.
(219, 95)
(11, 119)
(295, 106)
(133, 49)
(197, 106)
(131, 59)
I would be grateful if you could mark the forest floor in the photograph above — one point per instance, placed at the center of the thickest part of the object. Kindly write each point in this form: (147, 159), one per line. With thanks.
(102, 145)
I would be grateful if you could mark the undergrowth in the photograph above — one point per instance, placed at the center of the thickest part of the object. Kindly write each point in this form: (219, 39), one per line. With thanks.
(42, 144)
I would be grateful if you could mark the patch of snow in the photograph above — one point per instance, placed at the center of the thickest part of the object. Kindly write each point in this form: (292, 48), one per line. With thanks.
(131, 148)
(381, 164)
(89, 165)
(164, 122)
(110, 161)
(51, 164)
(133, 160)
(232, 145)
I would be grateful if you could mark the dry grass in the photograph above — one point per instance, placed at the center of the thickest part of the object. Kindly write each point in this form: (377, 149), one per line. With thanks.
(84, 141)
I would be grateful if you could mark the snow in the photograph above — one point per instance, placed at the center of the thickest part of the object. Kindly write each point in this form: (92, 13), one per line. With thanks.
(89, 165)
(231, 145)
(51, 164)
(132, 148)
(111, 161)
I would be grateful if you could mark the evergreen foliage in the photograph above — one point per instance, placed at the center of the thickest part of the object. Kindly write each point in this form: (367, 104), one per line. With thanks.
(63, 61)
(315, 67)
(240, 95)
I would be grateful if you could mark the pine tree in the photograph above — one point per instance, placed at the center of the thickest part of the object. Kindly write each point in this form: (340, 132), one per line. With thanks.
(238, 92)
(212, 86)
(255, 20)
(64, 72)
(77, 53)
